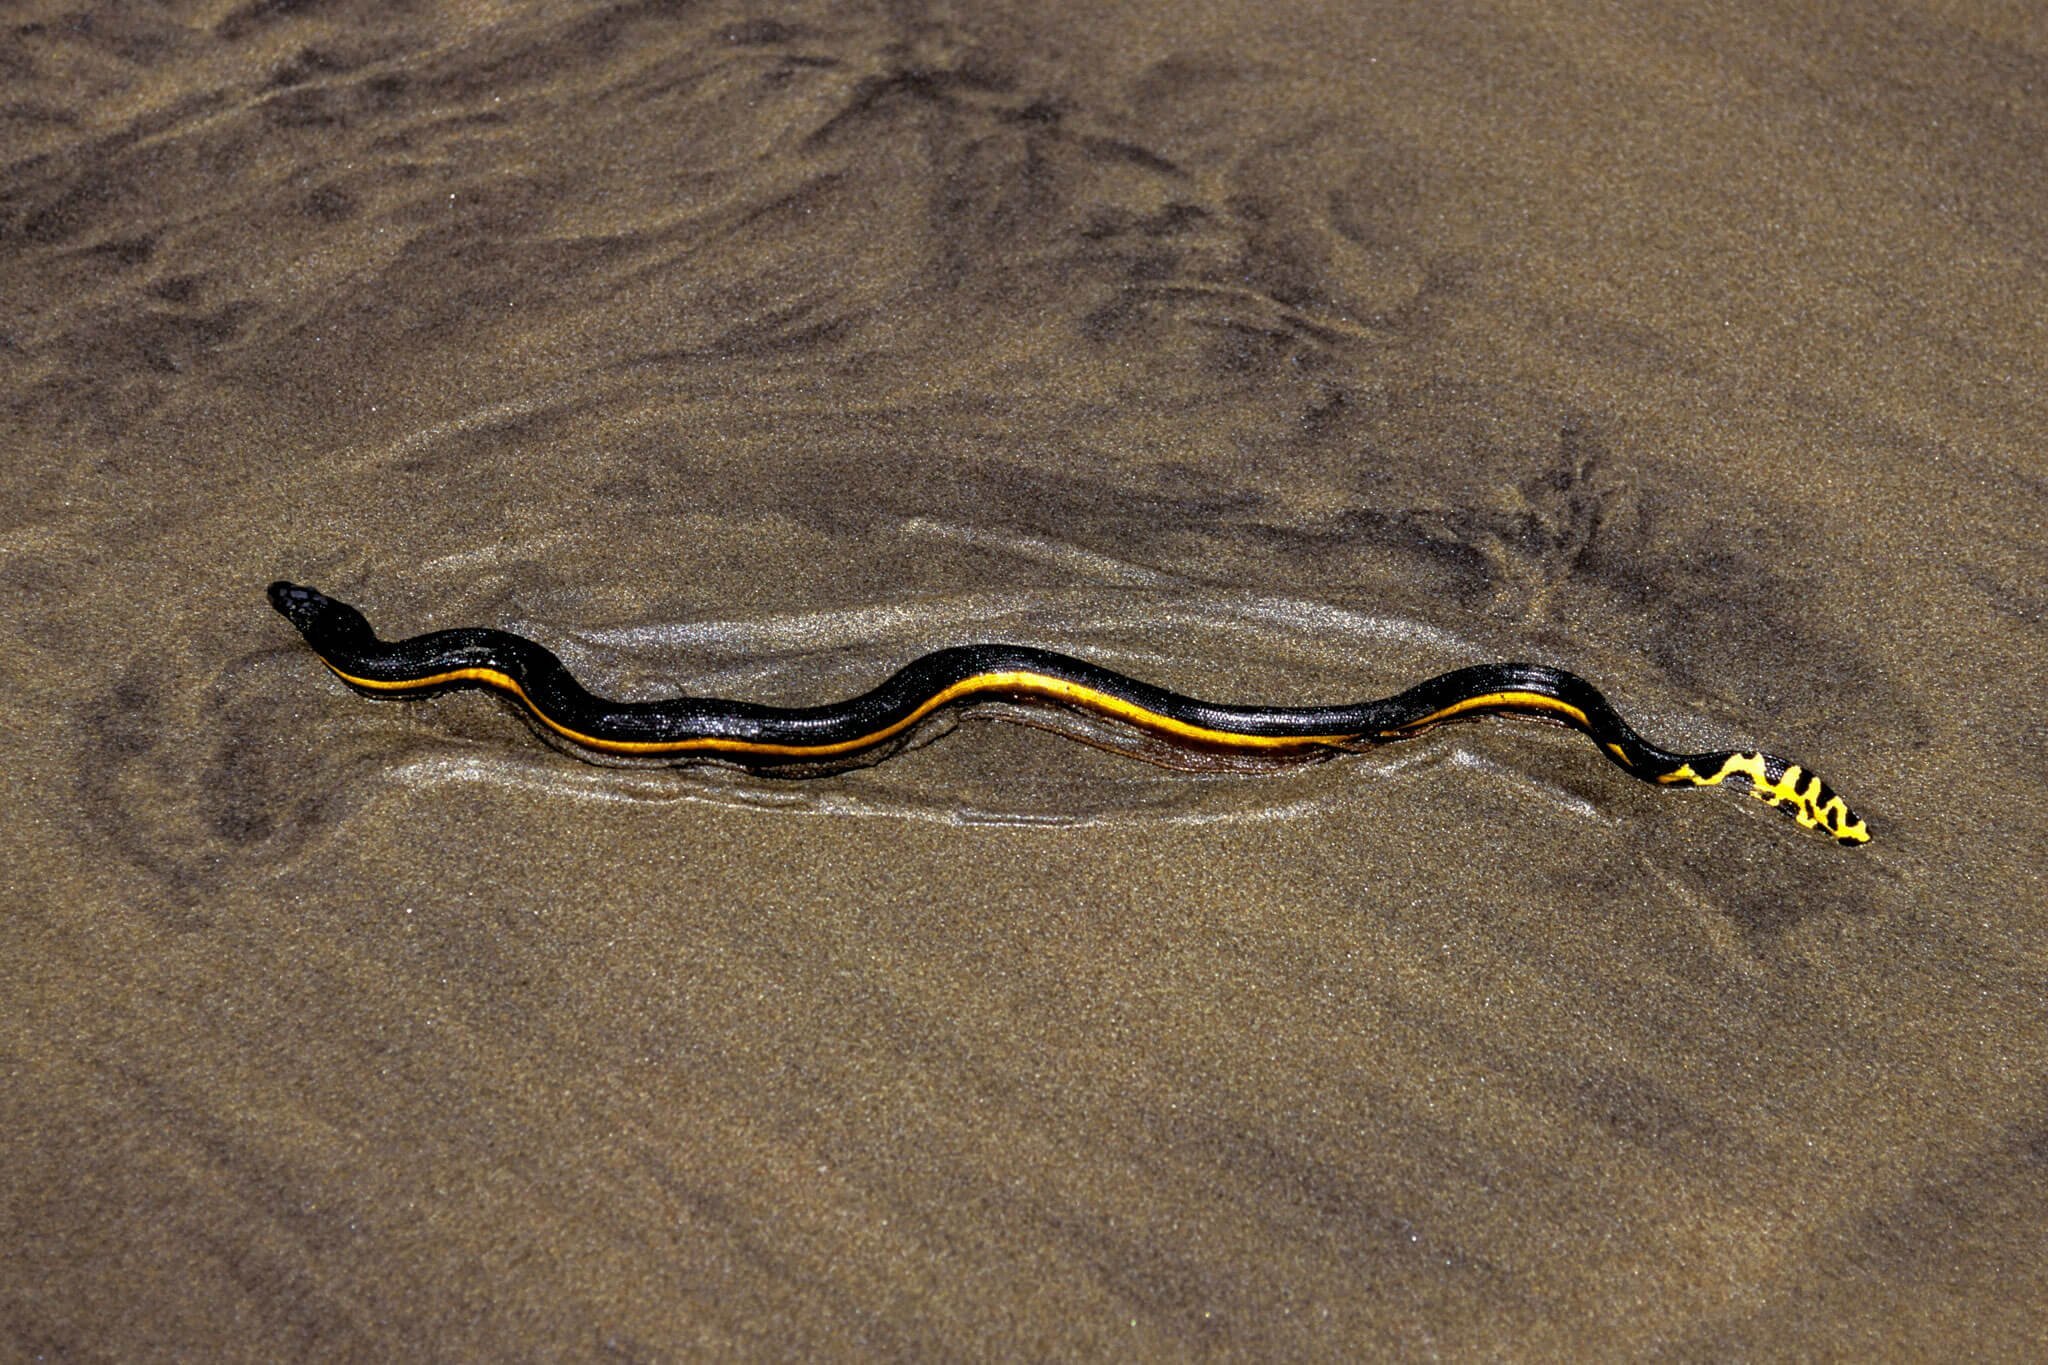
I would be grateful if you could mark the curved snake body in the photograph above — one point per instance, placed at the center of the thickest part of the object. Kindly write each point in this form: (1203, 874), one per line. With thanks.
(862, 728)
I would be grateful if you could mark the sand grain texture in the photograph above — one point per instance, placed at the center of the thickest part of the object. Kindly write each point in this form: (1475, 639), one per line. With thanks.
(1281, 352)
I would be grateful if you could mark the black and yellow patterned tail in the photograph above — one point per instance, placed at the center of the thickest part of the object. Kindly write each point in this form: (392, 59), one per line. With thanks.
(1776, 782)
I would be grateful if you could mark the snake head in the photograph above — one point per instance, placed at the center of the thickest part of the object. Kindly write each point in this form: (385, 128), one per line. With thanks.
(318, 616)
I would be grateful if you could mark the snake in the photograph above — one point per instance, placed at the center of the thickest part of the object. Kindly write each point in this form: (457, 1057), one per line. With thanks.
(800, 740)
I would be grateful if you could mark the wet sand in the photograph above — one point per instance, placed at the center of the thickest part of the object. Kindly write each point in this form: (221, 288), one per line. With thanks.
(1287, 353)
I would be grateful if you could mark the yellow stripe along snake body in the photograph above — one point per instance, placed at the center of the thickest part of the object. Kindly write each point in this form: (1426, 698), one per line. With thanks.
(862, 728)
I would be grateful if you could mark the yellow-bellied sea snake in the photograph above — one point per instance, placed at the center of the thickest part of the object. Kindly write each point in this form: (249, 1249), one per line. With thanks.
(808, 738)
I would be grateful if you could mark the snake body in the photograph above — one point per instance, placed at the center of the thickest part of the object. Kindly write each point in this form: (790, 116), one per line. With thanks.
(810, 738)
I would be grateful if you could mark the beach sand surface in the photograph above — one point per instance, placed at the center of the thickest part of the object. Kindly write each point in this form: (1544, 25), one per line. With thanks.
(1286, 353)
